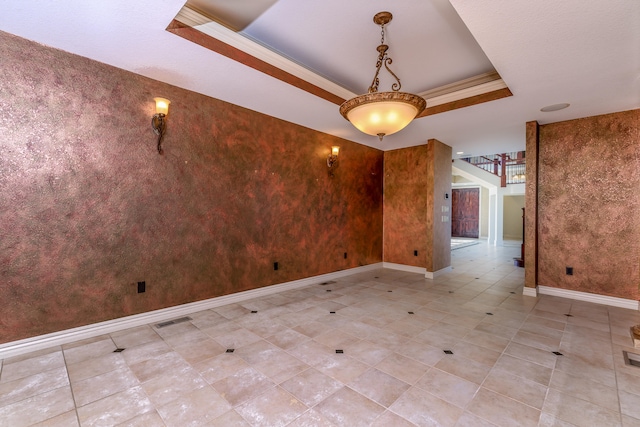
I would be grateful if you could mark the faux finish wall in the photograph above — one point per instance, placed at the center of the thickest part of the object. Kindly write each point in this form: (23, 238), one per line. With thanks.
(406, 186)
(415, 182)
(439, 217)
(88, 207)
(589, 204)
(531, 208)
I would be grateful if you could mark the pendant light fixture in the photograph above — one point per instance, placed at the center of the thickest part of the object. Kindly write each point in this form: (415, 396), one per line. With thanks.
(382, 113)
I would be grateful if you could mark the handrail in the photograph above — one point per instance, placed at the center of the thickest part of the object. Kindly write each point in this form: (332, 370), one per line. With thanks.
(510, 167)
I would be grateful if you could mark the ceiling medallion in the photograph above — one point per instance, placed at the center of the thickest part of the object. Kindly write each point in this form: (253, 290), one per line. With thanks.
(382, 113)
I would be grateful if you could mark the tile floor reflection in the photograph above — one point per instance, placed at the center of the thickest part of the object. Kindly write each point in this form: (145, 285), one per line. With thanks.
(392, 327)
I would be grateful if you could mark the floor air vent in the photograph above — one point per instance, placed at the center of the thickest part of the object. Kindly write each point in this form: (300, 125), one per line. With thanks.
(173, 322)
(327, 283)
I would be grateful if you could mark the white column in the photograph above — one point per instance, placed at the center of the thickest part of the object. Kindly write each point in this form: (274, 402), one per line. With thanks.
(491, 237)
(496, 216)
(499, 241)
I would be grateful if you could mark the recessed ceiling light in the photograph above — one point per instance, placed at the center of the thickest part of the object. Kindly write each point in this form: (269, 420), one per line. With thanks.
(459, 152)
(554, 107)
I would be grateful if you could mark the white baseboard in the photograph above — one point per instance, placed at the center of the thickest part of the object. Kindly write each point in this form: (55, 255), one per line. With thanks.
(403, 267)
(530, 292)
(434, 274)
(585, 296)
(28, 345)
(413, 269)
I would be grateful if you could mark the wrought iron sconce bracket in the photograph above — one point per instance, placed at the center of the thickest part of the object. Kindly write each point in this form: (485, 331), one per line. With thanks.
(159, 126)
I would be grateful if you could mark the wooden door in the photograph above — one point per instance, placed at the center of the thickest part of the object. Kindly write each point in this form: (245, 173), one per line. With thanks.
(465, 212)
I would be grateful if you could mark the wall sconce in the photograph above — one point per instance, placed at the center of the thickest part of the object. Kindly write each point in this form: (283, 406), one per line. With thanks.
(158, 122)
(332, 160)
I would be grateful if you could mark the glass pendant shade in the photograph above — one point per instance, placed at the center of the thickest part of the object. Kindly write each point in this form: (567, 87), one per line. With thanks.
(382, 113)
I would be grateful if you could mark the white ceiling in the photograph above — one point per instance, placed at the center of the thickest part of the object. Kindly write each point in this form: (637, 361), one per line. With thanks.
(583, 52)
(428, 42)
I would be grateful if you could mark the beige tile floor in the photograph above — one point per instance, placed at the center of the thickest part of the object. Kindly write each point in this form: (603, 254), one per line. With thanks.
(392, 327)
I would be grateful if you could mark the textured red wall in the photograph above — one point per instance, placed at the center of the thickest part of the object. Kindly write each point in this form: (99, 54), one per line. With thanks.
(88, 207)
(406, 186)
(589, 204)
(531, 206)
(438, 231)
(415, 181)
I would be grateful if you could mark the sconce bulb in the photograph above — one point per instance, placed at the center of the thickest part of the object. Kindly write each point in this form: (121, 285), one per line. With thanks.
(162, 105)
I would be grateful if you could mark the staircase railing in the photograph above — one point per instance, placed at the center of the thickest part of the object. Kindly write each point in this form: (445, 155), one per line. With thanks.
(510, 167)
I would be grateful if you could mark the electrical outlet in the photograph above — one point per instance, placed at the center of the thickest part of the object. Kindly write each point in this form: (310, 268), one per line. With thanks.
(275, 266)
(569, 271)
(415, 253)
(345, 255)
(142, 287)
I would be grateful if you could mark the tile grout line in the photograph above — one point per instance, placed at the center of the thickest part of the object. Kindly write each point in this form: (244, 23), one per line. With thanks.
(73, 395)
(613, 361)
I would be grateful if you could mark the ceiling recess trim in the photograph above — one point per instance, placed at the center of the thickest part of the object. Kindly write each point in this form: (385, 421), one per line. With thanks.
(466, 102)
(466, 93)
(211, 28)
(476, 85)
(200, 29)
